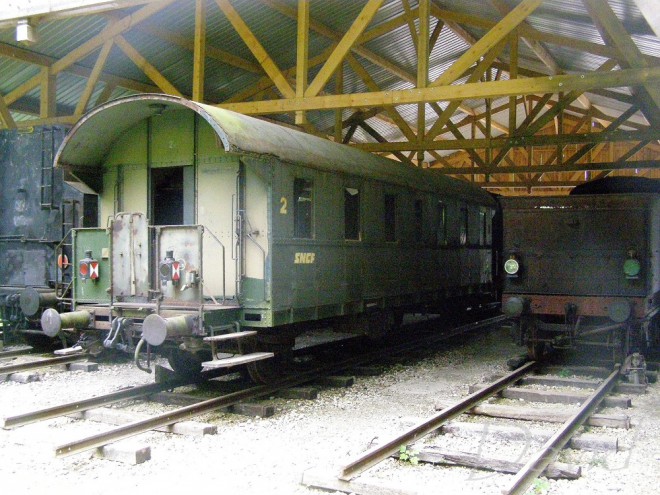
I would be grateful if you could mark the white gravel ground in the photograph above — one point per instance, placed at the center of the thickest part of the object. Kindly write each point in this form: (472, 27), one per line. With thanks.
(269, 456)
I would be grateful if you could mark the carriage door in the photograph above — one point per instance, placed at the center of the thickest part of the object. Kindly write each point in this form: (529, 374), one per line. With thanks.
(217, 210)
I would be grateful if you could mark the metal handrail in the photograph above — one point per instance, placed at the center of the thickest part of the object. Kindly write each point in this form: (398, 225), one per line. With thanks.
(224, 272)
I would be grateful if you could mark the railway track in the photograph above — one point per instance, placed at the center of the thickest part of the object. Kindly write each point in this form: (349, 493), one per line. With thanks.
(222, 401)
(9, 369)
(524, 475)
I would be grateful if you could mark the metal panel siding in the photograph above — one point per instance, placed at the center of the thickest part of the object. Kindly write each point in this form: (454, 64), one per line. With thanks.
(97, 241)
(172, 139)
(571, 249)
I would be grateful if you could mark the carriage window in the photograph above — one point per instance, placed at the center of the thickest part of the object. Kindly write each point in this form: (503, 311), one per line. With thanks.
(390, 218)
(482, 228)
(352, 214)
(441, 230)
(464, 226)
(486, 233)
(419, 220)
(303, 202)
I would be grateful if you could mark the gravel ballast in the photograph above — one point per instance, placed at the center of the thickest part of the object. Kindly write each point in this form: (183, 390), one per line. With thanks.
(270, 455)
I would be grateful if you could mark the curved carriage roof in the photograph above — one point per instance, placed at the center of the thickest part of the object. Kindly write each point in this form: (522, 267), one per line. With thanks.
(89, 141)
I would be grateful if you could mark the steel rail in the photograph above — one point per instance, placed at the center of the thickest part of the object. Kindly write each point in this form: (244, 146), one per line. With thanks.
(43, 363)
(85, 404)
(380, 452)
(203, 407)
(177, 415)
(15, 352)
(547, 453)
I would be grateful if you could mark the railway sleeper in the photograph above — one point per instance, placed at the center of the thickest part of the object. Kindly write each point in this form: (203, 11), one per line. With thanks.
(580, 441)
(437, 455)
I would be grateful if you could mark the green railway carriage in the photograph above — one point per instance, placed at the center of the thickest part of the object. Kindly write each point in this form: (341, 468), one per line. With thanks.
(218, 225)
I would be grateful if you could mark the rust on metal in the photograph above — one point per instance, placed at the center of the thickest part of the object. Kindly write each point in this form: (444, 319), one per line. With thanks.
(381, 452)
(547, 453)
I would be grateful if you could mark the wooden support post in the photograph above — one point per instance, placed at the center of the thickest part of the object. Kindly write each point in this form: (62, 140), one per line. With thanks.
(422, 71)
(302, 56)
(48, 101)
(199, 52)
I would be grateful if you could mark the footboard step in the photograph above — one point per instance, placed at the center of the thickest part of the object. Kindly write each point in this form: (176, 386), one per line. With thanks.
(230, 336)
(237, 360)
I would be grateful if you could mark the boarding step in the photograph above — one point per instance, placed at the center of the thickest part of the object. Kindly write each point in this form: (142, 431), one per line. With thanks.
(230, 336)
(237, 360)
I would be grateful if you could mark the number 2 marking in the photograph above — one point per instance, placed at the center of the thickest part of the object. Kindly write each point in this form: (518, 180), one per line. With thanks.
(284, 203)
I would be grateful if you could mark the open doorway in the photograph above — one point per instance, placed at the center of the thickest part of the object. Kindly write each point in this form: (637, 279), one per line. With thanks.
(172, 197)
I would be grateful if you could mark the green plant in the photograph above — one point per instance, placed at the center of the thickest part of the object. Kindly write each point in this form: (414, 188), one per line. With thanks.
(564, 373)
(540, 486)
(406, 455)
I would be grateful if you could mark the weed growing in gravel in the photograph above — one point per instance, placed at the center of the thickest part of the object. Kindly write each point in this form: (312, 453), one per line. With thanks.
(540, 486)
(406, 455)
(564, 373)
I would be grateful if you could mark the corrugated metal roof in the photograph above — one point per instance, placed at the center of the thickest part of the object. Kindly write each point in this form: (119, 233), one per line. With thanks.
(277, 33)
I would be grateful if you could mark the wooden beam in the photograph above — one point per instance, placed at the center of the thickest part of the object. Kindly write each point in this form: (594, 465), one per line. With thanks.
(515, 142)
(143, 64)
(614, 34)
(199, 51)
(11, 12)
(48, 96)
(105, 94)
(5, 115)
(513, 74)
(339, 89)
(29, 57)
(410, 19)
(487, 42)
(541, 52)
(302, 55)
(531, 33)
(211, 51)
(372, 86)
(422, 70)
(93, 78)
(493, 89)
(479, 70)
(356, 29)
(112, 30)
(357, 47)
(542, 169)
(251, 41)
(373, 133)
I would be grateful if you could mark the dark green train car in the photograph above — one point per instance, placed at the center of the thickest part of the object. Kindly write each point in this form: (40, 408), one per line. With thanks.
(221, 228)
(584, 271)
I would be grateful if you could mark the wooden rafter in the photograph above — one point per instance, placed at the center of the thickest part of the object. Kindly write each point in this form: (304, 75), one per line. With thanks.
(143, 64)
(259, 52)
(5, 115)
(93, 78)
(199, 51)
(302, 55)
(347, 41)
(614, 34)
(114, 29)
(515, 142)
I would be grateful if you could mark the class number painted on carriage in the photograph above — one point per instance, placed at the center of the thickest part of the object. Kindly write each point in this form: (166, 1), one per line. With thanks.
(304, 258)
